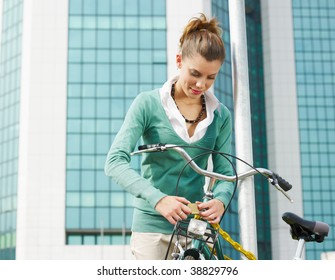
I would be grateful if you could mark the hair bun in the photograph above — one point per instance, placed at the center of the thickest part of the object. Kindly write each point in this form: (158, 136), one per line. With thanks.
(201, 23)
(203, 36)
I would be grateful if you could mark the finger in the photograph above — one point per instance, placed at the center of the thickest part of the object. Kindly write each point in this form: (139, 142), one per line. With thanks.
(182, 200)
(179, 215)
(183, 212)
(171, 220)
(207, 214)
(185, 209)
(211, 218)
(182, 215)
(204, 205)
(216, 220)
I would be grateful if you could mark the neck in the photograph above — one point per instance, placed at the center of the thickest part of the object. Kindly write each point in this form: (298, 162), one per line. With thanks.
(180, 95)
(202, 112)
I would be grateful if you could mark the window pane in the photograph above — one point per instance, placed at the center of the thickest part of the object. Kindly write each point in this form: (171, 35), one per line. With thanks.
(159, 40)
(72, 180)
(73, 108)
(117, 218)
(103, 73)
(117, 73)
(88, 108)
(73, 90)
(88, 162)
(87, 218)
(87, 180)
(88, 90)
(117, 56)
(88, 56)
(89, 73)
(88, 126)
(102, 199)
(89, 39)
(73, 143)
(89, 22)
(146, 38)
(118, 108)
(73, 162)
(103, 38)
(103, 108)
(103, 7)
(74, 73)
(131, 39)
(72, 218)
(102, 217)
(74, 240)
(89, 240)
(73, 199)
(75, 38)
(146, 75)
(75, 6)
(87, 144)
(74, 56)
(132, 71)
(87, 199)
(102, 90)
(89, 6)
(117, 199)
(118, 7)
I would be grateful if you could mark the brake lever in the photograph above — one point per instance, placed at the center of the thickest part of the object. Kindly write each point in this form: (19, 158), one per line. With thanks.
(272, 182)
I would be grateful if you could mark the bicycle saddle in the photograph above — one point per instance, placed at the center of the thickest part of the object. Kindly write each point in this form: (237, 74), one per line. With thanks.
(305, 229)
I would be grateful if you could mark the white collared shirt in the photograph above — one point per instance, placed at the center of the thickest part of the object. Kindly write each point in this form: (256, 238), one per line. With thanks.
(177, 120)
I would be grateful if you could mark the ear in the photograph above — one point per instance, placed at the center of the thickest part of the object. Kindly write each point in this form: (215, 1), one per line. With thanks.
(178, 60)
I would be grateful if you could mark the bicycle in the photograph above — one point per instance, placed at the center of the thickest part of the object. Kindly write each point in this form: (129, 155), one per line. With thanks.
(196, 239)
(305, 231)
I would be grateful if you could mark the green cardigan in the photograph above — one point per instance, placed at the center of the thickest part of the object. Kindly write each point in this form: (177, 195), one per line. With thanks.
(146, 118)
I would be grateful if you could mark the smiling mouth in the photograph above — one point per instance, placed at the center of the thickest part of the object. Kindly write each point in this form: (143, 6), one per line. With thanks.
(197, 92)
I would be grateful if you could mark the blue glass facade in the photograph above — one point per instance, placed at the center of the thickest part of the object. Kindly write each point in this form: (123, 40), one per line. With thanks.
(314, 33)
(258, 121)
(10, 73)
(224, 92)
(116, 49)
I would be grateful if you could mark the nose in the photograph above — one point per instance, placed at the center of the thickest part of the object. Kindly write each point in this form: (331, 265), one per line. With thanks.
(201, 83)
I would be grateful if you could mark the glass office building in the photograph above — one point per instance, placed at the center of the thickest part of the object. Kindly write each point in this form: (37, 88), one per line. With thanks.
(314, 33)
(64, 95)
(10, 72)
(116, 49)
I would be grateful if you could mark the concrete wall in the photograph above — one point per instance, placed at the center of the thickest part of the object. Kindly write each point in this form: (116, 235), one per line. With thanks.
(281, 118)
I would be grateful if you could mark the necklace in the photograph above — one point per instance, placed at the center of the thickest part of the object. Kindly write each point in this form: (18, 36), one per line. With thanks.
(203, 107)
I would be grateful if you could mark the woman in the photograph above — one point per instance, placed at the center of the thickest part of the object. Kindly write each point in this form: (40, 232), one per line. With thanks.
(182, 112)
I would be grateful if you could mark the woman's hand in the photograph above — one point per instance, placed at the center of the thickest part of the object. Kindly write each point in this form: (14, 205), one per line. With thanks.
(211, 210)
(173, 208)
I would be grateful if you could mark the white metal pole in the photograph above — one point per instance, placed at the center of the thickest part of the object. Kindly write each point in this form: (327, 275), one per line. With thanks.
(243, 137)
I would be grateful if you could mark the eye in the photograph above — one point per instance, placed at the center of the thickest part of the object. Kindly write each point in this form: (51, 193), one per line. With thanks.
(195, 73)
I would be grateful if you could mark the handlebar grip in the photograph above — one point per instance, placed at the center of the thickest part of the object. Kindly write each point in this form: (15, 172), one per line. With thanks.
(150, 146)
(286, 186)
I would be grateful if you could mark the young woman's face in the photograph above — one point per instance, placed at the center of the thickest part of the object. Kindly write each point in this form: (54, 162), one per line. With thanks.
(196, 74)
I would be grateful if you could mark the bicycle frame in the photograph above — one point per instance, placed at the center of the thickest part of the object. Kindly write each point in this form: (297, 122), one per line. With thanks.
(200, 245)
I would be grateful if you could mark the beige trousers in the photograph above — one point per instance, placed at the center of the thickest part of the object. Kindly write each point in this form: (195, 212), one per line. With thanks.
(150, 246)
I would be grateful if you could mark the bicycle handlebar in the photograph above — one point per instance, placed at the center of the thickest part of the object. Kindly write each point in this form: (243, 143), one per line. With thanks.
(277, 181)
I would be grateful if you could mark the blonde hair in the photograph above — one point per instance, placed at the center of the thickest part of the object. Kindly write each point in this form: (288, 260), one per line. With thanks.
(203, 36)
